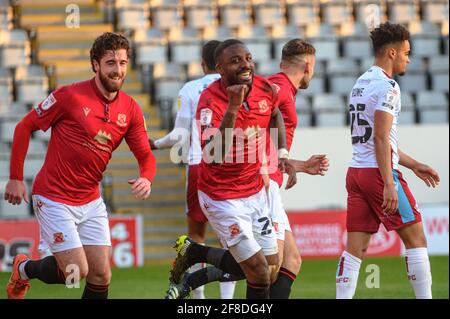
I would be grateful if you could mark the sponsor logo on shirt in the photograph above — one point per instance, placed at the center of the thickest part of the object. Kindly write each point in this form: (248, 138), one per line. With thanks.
(205, 116)
(121, 120)
(263, 106)
(234, 230)
(102, 137)
(86, 111)
(58, 238)
(48, 102)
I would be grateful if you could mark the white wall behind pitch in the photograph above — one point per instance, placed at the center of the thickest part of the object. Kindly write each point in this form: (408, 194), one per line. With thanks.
(426, 143)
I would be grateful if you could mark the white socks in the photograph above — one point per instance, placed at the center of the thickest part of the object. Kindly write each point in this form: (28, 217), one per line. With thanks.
(347, 276)
(198, 293)
(227, 289)
(419, 272)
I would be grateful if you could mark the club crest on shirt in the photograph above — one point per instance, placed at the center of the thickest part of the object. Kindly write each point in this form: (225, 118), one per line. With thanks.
(234, 230)
(206, 116)
(48, 102)
(121, 120)
(263, 106)
(58, 238)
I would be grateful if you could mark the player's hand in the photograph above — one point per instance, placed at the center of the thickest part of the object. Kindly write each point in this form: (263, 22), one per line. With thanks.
(141, 187)
(390, 199)
(427, 174)
(317, 165)
(236, 94)
(289, 169)
(152, 144)
(15, 191)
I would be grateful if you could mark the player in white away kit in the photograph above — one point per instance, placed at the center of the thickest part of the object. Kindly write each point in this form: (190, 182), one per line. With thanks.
(377, 192)
(185, 132)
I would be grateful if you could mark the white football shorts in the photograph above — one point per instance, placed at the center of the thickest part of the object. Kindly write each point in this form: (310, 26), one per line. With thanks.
(64, 227)
(243, 225)
(277, 212)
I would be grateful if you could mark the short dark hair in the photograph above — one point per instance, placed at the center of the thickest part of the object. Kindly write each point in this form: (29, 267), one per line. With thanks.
(208, 54)
(106, 42)
(223, 46)
(296, 47)
(387, 33)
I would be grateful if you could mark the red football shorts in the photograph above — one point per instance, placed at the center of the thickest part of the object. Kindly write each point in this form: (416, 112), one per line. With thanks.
(365, 197)
(193, 206)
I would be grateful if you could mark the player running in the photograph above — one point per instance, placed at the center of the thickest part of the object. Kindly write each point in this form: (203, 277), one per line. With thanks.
(239, 107)
(89, 121)
(377, 192)
(185, 132)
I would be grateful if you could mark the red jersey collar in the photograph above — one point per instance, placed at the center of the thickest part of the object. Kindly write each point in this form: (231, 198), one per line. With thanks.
(100, 95)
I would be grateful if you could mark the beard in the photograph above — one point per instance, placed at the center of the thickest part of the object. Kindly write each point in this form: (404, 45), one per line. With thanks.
(402, 74)
(110, 85)
(304, 84)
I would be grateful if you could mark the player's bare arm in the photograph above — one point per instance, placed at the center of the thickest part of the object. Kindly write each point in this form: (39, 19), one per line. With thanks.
(315, 165)
(383, 124)
(283, 154)
(423, 171)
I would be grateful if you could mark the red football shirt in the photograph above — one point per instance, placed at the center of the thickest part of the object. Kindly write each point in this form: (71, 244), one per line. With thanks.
(86, 129)
(286, 102)
(239, 176)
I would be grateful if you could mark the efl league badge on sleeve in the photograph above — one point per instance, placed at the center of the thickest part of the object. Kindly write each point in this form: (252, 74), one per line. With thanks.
(206, 116)
(49, 101)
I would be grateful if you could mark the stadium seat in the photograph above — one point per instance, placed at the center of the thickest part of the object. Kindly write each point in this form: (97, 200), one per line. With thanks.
(438, 69)
(408, 112)
(168, 79)
(200, 13)
(304, 111)
(31, 83)
(42, 136)
(342, 74)
(6, 15)
(256, 40)
(267, 68)
(185, 45)
(403, 11)
(302, 12)
(13, 109)
(433, 107)
(7, 126)
(33, 165)
(165, 13)
(336, 12)
(150, 46)
(268, 13)
(355, 40)
(435, 10)
(14, 48)
(415, 78)
(132, 14)
(366, 63)
(425, 39)
(329, 110)
(6, 86)
(283, 33)
(194, 71)
(370, 12)
(324, 39)
(5, 153)
(233, 13)
(220, 32)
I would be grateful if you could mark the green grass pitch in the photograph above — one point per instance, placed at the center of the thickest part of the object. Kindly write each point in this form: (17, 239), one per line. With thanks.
(316, 281)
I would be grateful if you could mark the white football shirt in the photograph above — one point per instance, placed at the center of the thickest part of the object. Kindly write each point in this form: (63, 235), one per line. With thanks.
(374, 90)
(188, 98)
